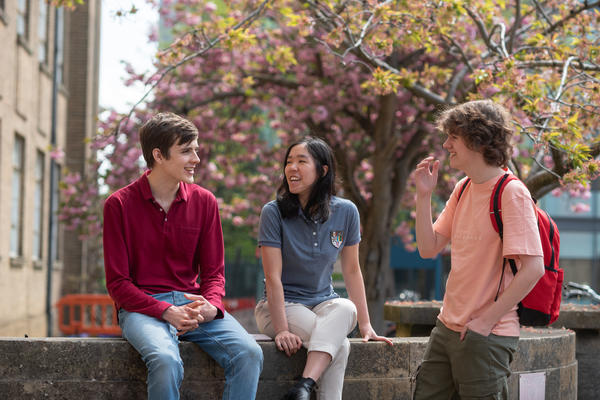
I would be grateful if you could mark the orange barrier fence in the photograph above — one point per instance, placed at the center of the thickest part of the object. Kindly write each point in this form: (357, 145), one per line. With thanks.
(91, 314)
(238, 303)
(94, 314)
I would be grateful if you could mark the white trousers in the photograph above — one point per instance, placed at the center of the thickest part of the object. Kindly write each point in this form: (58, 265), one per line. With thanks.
(325, 328)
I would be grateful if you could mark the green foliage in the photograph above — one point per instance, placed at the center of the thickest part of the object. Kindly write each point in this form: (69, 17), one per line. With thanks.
(65, 3)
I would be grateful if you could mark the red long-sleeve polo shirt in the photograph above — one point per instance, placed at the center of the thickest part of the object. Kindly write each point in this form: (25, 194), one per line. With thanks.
(148, 251)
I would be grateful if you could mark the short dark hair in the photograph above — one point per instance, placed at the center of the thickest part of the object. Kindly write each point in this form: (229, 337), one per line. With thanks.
(162, 131)
(484, 126)
(317, 207)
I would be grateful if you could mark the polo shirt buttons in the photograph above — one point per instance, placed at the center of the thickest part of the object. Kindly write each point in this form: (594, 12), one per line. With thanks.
(316, 244)
(314, 233)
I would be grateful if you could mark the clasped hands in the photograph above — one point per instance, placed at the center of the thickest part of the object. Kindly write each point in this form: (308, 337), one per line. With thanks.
(287, 342)
(187, 317)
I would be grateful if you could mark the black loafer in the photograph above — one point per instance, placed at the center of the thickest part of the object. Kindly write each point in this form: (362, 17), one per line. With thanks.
(301, 390)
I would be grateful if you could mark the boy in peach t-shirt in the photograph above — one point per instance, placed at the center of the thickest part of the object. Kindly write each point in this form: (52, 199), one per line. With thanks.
(476, 335)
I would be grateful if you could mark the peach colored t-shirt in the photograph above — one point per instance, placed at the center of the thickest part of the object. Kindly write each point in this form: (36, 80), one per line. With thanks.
(477, 251)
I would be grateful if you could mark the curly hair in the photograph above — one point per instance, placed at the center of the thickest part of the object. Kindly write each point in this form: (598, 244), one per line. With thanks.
(484, 126)
(162, 131)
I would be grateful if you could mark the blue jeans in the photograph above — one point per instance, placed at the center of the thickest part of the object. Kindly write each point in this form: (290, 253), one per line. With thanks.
(225, 340)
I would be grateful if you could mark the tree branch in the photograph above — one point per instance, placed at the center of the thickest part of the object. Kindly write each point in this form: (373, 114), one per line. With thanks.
(503, 52)
(403, 167)
(363, 121)
(278, 81)
(541, 183)
(513, 31)
(482, 31)
(585, 66)
(456, 80)
(574, 12)
(463, 56)
(538, 6)
(249, 20)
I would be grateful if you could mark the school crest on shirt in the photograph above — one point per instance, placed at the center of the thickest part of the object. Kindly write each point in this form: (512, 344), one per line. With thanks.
(337, 238)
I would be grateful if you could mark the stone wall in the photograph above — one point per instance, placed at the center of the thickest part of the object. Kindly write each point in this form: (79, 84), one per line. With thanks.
(102, 368)
(417, 319)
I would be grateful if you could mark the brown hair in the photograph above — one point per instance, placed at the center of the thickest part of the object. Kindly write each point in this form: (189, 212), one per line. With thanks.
(484, 126)
(162, 131)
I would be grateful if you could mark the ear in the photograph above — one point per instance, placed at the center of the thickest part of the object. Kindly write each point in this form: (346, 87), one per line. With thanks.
(325, 170)
(157, 155)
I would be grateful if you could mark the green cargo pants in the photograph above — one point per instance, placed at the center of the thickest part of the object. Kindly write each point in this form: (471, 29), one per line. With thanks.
(475, 368)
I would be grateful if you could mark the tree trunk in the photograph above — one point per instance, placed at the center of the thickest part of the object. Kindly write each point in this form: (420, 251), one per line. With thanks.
(379, 279)
(377, 219)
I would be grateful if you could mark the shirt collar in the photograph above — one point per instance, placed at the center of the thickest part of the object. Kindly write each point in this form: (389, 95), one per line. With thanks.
(332, 206)
(182, 192)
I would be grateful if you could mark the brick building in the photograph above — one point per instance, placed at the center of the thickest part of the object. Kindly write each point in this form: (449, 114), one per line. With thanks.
(48, 100)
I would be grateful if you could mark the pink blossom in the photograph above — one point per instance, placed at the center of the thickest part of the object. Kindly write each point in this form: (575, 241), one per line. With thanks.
(72, 178)
(237, 220)
(57, 154)
(229, 181)
(579, 208)
(69, 191)
(210, 7)
(320, 114)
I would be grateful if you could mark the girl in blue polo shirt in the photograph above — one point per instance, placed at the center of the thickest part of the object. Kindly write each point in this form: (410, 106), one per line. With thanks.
(301, 235)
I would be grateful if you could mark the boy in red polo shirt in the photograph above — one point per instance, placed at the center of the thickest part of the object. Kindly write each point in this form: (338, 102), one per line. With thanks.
(477, 331)
(161, 233)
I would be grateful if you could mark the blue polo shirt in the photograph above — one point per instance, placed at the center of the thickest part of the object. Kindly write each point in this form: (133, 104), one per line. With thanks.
(309, 248)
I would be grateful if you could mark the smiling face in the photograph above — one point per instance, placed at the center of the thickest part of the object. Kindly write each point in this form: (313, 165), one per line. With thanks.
(460, 155)
(180, 162)
(300, 172)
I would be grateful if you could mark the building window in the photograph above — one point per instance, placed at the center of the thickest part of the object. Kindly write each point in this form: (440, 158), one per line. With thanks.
(60, 44)
(23, 18)
(38, 206)
(56, 236)
(43, 32)
(16, 214)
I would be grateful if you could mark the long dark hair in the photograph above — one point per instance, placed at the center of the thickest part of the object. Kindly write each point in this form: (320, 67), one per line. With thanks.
(317, 206)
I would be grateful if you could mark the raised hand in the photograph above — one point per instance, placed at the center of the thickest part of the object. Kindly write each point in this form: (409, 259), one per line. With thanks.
(426, 174)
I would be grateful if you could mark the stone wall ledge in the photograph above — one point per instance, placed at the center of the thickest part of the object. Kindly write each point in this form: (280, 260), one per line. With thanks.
(418, 318)
(109, 368)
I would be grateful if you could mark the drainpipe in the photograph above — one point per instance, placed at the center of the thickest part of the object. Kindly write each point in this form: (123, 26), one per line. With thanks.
(52, 222)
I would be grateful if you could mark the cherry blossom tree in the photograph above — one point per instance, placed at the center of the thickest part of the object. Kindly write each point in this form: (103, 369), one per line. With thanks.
(367, 76)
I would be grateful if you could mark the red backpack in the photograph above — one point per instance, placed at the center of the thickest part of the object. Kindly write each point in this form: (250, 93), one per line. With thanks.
(540, 307)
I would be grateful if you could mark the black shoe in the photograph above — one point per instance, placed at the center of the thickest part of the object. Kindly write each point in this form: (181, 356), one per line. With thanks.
(301, 390)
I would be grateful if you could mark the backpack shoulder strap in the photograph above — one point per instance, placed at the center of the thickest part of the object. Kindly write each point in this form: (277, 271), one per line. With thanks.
(462, 188)
(496, 202)
(496, 215)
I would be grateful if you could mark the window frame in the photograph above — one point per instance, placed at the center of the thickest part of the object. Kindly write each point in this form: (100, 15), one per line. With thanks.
(17, 198)
(59, 52)
(37, 243)
(3, 12)
(22, 19)
(43, 28)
